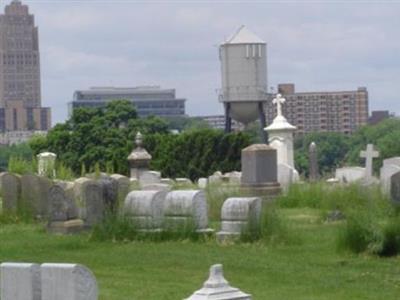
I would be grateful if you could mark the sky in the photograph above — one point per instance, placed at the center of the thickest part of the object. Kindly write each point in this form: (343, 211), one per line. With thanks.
(318, 45)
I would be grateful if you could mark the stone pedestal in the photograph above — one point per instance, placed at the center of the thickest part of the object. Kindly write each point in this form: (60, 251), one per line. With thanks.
(139, 159)
(46, 164)
(217, 288)
(260, 171)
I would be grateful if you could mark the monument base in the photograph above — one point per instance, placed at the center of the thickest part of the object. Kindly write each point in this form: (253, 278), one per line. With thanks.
(267, 192)
(66, 227)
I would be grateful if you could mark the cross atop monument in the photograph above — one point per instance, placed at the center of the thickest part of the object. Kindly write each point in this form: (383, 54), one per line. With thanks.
(369, 154)
(279, 100)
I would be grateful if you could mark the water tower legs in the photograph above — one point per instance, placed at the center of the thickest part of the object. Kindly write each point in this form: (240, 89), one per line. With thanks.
(263, 123)
(228, 119)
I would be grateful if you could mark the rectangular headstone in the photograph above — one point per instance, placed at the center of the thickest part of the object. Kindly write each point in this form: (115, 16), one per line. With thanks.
(123, 183)
(20, 281)
(34, 195)
(350, 174)
(387, 171)
(395, 188)
(11, 191)
(68, 282)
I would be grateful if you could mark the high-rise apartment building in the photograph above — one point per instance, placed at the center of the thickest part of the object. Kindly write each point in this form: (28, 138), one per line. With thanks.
(20, 90)
(331, 111)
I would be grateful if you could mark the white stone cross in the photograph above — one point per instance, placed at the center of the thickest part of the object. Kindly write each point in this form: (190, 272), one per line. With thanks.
(369, 155)
(279, 100)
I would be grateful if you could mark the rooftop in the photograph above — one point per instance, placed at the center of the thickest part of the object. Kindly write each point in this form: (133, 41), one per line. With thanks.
(244, 36)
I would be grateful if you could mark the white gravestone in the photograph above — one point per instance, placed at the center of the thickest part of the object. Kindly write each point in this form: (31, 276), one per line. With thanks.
(20, 281)
(46, 164)
(280, 134)
(145, 209)
(218, 288)
(350, 174)
(386, 173)
(149, 177)
(287, 176)
(202, 183)
(68, 282)
(239, 215)
(186, 207)
(369, 154)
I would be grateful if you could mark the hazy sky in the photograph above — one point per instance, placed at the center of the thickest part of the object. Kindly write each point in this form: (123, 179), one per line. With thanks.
(318, 45)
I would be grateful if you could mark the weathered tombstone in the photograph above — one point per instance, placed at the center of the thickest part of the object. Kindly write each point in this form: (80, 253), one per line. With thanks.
(123, 184)
(149, 177)
(218, 288)
(234, 177)
(68, 282)
(139, 159)
(392, 161)
(395, 188)
(63, 213)
(110, 193)
(313, 162)
(202, 183)
(260, 171)
(157, 187)
(215, 178)
(369, 154)
(287, 176)
(386, 173)
(11, 192)
(168, 181)
(34, 195)
(20, 281)
(145, 209)
(350, 174)
(185, 208)
(240, 215)
(183, 181)
(94, 208)
(46, 164)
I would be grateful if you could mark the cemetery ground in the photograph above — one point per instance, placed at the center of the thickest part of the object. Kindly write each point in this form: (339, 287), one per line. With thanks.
(300, 259)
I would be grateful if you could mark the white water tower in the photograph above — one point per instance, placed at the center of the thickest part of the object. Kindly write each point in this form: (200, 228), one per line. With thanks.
(244, 77)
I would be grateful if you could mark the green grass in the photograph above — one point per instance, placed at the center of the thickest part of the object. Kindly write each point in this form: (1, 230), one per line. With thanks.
(309, 267)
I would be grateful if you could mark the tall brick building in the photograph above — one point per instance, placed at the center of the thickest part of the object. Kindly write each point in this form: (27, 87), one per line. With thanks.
(337, 111)
(20, 91)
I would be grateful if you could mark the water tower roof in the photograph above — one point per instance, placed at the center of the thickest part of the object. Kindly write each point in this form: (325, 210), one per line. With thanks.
(244, 36)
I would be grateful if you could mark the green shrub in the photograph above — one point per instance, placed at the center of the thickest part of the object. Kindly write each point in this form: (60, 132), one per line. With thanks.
(19, 165)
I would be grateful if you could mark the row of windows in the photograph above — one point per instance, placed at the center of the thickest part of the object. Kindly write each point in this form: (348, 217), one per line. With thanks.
(20, 59)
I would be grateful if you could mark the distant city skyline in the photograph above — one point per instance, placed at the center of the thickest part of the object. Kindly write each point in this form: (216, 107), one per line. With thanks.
(331, 46)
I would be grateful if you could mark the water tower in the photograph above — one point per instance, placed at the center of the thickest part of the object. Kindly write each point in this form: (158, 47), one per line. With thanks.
(244, 78)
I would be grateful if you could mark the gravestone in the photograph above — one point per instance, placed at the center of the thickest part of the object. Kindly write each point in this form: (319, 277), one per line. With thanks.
(386, 173)
(34, 195)
(110, 193)
(149, 177)
(185, 208)
(157, 187)
(68, 282)
(218, 288)
(215, 178)
(123, 184)
(63, 213)
(350, 174)
(183, 181)
(46, 164)
(94, 204)
(139, 159)
(392, 161)
(287, 176)
(168, 181)
(202, 183)
(145, 209)
(369, 154)
(260, 171)
(11, 192)
(20, 281)
(239, 215)
(313, 162)
(395, 188)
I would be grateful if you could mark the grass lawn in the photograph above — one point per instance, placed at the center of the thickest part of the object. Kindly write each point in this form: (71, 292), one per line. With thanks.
(307, 267)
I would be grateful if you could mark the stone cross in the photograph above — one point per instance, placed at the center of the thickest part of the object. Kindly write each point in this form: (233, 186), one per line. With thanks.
(369, 154)
(279, 100)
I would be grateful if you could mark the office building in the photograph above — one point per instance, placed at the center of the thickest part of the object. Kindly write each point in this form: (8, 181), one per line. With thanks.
(20, 90)
(148, 100)
(331, 111)
(218, 122)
